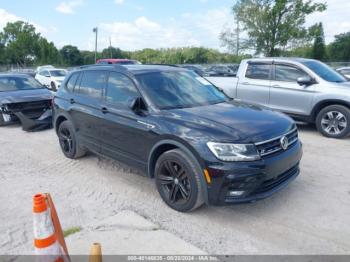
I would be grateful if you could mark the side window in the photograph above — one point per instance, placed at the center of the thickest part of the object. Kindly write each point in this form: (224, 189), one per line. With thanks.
(258, 71)
(120, 89)
(92, 83)
(71, 82)
(288, 73)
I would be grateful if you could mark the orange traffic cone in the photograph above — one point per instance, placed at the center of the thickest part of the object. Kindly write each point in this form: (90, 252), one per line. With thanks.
(45, 236)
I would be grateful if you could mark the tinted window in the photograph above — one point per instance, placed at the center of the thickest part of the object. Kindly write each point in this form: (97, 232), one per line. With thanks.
(11, 83)
(325, 72)
(92, 83)
(288, 73)
(179, 89)
(258, 71)
(71, 82)
(120, 89)
(58, 73)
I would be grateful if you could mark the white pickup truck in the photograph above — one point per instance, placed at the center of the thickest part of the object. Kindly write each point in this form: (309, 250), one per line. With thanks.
(308, 90)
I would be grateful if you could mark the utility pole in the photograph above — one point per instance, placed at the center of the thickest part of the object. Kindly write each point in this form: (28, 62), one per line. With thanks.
(95, 30)
(110, 47)
(237, 37)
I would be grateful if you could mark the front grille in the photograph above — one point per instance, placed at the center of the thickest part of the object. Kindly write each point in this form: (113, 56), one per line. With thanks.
(276, 181)
(272, 146)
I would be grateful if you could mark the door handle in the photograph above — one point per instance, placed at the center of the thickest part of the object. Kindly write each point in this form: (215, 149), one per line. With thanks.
(276, 86)
(245, 83)
(104, 110)
(72, 101)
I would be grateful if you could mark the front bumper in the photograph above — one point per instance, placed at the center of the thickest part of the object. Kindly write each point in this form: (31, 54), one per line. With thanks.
(33, 116)
(253, 180)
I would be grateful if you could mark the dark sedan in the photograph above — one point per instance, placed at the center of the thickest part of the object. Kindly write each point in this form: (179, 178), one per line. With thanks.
(24, 100)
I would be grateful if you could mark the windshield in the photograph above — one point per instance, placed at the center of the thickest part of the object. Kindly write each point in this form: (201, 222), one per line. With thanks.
(58, 73)
(325, 72)
(12, 83)
(178, 89)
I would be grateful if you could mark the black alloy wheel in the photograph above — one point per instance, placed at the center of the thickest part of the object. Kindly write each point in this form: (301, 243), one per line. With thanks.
(178, 181)
(174, 182)
(68, 142)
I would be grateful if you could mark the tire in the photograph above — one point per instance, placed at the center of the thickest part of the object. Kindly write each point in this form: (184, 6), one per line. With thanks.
(334, 121)
(53, 86)
(68, 142)
(178, 182)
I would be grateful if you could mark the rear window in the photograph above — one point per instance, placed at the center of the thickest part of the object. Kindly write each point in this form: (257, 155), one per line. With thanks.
(58, 73)
(17, 83)
(92, 83)
(258, 71)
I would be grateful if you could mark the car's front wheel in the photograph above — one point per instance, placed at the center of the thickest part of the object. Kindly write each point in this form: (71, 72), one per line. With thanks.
(334, 121)
(178, 182)
(68, 142)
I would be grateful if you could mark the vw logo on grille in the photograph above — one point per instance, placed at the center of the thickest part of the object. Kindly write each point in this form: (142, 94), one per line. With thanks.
(284, 142)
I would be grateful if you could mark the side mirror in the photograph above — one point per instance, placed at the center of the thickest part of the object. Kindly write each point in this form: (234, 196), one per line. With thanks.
(138, 106)
(305, 81)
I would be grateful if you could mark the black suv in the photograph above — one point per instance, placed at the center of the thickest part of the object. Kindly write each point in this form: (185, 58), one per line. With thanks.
(198, 144)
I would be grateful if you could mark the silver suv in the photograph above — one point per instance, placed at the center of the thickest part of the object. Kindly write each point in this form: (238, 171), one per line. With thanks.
(308, 90)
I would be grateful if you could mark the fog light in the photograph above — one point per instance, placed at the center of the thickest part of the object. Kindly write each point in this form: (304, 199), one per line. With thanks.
(235, 193)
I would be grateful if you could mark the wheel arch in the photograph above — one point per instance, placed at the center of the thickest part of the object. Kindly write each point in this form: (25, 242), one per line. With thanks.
(59, 119)
(324, 103)
(168, 144)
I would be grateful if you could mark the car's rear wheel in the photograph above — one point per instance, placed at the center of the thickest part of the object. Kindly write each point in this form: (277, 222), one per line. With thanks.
(334, 121)
(53, 86)
(68, 142)
(178, 182)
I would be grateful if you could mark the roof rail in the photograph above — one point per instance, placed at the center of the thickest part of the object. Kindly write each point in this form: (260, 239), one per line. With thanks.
(173, 65)
(116, 66)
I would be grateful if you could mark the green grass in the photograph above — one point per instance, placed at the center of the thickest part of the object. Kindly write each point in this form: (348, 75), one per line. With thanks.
(70, 231)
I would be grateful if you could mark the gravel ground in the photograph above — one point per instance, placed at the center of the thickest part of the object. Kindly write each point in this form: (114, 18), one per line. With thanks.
(311, 216)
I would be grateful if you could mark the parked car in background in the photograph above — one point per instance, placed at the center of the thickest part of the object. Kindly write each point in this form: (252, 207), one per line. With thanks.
(39, 68)
(306, 89)
(345, 71)
(23, 99)
(198, 144)
(221, 70)
(197, 69)
(51, 77)
(233, 67)
(117, 61)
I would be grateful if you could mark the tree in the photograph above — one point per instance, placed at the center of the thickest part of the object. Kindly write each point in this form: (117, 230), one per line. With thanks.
(274, 26)
(71, 55)
(47, 53)
(319, 46)
(112, 52)
(20, 42)
(339, 50)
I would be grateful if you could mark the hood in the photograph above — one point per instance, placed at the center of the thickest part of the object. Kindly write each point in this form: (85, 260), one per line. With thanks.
(232, 122)
(339, 88)
(20, 96)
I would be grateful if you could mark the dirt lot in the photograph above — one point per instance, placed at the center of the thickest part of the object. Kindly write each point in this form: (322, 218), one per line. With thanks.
(310, 217)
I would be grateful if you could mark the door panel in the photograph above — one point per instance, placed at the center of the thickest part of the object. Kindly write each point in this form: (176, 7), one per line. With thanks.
(126, 136)
(255, 86)
(86, 108)
(287, 95)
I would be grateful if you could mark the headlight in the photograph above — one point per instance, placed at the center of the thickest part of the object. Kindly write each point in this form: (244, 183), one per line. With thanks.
(234, 152)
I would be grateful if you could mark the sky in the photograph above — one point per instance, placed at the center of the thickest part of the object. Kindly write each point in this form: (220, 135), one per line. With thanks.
(137, 24)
